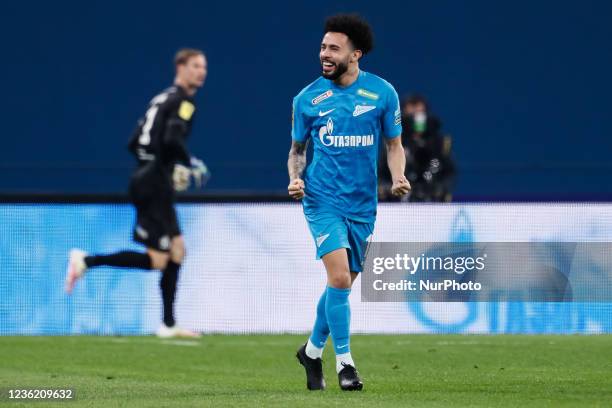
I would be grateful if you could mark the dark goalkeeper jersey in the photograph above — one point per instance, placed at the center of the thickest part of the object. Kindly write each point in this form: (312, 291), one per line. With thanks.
(159, 141)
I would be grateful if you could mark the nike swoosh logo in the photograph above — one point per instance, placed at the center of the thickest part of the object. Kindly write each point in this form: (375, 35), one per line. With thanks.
(321, 239)
(326, 112)
(346, 345)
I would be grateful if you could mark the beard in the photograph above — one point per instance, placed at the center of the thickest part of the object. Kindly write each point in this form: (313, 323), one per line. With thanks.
(341, 68)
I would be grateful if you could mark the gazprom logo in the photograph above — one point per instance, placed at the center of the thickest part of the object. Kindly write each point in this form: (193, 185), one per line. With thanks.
(330, 126)
(325, 133)
(327, 139)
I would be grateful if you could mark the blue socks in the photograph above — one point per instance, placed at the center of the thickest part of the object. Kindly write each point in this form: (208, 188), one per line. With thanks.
(333, 315)
(338, 313)
(320, 331)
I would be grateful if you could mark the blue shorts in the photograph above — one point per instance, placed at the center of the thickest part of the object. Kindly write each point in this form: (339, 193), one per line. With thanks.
(331, 232)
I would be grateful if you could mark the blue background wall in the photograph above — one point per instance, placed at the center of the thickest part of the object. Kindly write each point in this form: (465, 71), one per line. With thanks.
(522, 86)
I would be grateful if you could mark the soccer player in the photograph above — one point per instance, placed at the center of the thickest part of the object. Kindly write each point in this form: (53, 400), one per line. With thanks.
(343, 113)
(164, 165)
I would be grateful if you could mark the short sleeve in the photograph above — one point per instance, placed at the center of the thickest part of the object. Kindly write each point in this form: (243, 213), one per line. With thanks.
(299, 129)
(392, 117)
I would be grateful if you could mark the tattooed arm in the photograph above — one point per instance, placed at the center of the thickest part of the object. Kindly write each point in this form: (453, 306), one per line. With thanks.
(296, 165)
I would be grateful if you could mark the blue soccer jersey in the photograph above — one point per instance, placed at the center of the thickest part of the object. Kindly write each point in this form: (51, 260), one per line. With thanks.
(345, 125)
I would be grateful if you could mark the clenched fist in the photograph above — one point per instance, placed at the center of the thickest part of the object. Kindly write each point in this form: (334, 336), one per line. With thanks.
(296, 189)
(400, 187)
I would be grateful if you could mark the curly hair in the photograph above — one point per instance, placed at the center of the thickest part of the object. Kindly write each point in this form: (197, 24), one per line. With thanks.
(356, 29)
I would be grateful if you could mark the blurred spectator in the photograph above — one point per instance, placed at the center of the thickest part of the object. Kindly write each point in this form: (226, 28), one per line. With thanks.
(429, 165)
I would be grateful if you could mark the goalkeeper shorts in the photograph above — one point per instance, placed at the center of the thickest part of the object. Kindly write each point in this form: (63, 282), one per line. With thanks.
(156, 220)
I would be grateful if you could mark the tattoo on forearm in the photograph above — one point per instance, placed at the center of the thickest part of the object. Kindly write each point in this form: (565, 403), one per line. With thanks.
(297, 159)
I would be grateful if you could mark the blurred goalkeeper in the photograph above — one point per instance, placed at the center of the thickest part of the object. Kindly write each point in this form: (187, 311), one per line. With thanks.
(164, 166)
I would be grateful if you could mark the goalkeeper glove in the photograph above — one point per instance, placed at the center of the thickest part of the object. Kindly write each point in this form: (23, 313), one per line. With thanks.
(200, 172)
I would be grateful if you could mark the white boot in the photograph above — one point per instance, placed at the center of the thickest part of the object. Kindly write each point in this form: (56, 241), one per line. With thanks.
(76, 268)
(165, 332)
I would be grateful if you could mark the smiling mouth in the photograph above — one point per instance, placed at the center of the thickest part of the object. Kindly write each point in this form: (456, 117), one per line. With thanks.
(328, 66)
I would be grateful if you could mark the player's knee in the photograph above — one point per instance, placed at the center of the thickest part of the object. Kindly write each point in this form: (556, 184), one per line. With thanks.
(159, 260)
(339, 280)
(177, 256)
(177, 249)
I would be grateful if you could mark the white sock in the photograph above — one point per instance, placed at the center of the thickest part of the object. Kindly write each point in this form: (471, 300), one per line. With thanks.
(343, 358)
(313, 351)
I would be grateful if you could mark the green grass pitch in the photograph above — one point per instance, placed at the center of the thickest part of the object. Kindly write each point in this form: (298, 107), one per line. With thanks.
(261, 370)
